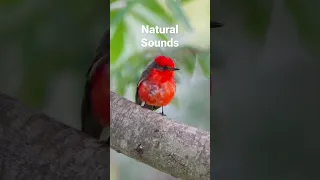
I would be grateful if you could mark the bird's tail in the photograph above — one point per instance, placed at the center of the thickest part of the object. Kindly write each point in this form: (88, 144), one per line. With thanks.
(152, 108)
(90, 125)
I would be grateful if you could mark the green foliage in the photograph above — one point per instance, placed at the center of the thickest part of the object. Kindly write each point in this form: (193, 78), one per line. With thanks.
(158, 10)
(305, 16)
(204, 62)
(144, 20)
(46, 38)
(118, 38)
(256, 15)
(127, 62)
(177, 12)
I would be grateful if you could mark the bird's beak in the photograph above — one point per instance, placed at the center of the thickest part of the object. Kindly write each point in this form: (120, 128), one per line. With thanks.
(214, 24)
(175, 69)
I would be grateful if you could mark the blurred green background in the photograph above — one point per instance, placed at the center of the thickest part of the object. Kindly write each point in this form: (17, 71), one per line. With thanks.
(265, 102)
(128, 59)
(47, 46)
(264, 82)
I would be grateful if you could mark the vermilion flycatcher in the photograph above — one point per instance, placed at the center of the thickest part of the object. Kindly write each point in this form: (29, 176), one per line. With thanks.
(95, 112)
(156, 87)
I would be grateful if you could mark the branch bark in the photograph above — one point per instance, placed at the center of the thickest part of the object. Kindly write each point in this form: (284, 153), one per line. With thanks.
(35, 146)
(169, 146)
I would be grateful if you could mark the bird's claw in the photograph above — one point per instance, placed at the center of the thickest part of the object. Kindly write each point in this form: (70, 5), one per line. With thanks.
(162, 114)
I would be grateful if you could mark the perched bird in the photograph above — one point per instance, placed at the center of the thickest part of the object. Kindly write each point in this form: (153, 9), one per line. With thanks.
(95, 111)
(156, 87)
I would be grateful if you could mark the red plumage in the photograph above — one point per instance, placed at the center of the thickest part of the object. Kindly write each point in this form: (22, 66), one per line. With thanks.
(157, 86)
(164, 61)
(100, 95)
(95, 112)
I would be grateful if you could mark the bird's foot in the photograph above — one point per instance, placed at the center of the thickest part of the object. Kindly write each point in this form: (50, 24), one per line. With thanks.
(162, 114)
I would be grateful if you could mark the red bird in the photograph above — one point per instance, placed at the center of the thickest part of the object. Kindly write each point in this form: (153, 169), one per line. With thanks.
(95, 112)
(156, 87)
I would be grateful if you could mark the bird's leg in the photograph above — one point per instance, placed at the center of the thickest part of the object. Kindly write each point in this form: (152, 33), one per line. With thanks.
(162, 112)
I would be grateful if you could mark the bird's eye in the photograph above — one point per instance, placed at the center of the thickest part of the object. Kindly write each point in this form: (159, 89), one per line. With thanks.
(165, 67)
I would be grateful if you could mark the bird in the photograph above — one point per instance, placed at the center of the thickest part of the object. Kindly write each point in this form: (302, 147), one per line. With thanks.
(156, 87)
(95, 111)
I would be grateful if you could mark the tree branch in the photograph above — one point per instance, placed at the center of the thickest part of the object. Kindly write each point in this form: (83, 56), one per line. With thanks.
(169, 146)
(33, 145)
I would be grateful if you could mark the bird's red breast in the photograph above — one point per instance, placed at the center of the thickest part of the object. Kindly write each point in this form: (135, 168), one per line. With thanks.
(158, 88)
(100, 95)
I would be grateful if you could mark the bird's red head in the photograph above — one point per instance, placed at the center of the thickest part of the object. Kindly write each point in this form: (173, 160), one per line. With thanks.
(162, 69)
(165, 63)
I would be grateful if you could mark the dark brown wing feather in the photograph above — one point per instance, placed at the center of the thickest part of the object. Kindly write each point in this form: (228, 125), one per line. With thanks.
(91, 125)
(102, 50)
(144, 75)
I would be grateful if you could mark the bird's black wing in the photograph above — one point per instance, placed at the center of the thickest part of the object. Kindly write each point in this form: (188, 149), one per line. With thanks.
(144, 75)
(91, 125)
